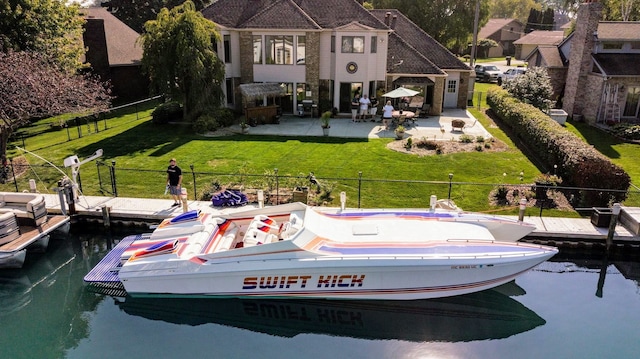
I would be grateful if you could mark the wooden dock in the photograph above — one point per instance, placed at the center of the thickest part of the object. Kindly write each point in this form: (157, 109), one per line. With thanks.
(561, 232)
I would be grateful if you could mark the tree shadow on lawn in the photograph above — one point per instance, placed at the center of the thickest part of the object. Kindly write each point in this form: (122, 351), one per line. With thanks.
(169, 137)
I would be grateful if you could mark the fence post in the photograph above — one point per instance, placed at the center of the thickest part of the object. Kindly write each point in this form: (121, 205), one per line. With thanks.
(194, 183)
(277, 187)
(112, 171)
(359, 186)
(98, 163)
(79, 127)
(14, 173)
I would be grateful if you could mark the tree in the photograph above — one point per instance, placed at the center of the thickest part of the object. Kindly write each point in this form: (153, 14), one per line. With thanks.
(484, 45)
(180, 58)
(532, 87)
(450, 22)
(33, 86)
(512, 9)
(46, 26)
(135, 13)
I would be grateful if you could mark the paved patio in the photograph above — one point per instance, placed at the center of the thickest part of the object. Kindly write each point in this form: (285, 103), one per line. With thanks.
(433, 127)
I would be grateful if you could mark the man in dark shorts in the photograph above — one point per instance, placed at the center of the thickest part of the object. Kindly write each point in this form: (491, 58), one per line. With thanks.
(174, 181)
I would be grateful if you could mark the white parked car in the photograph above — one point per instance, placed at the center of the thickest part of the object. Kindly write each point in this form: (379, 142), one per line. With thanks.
(510, 74)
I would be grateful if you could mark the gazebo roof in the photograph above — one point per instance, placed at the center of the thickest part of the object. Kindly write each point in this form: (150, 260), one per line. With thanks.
(257, 90)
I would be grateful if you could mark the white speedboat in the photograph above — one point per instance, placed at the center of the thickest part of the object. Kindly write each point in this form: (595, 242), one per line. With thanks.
(297, 251)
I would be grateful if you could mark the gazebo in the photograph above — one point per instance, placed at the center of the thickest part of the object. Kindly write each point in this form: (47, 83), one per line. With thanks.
(253, 91)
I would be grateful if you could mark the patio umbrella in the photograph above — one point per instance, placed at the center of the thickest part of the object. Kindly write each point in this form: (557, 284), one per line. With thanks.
(401, 92)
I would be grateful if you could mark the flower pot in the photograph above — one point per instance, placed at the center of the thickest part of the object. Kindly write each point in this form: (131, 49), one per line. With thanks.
(399, 135)
(601, 217)
(325, 131)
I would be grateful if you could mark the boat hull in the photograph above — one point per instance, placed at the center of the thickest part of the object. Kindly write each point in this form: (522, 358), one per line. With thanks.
(386, 277)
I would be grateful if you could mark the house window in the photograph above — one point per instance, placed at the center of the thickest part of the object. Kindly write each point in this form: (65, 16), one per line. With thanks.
(300, 50)
(229, 88)
(257, 49)
(333, 44)
(227, 49)
(613, 45)
(279, 49)
(374, 44)
(632, 104)
(635, 45)
(451, 86)
(353, 44)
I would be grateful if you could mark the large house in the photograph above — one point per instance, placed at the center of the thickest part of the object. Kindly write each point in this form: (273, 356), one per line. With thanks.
(324, 51)
(596, 70)
(113, 54)
(504, 32)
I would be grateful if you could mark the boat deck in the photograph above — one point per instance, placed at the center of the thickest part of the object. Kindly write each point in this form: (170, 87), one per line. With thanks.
(29, 234)
(104, 276)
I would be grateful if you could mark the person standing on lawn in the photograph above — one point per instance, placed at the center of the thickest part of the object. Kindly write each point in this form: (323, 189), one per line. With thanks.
(174, 181)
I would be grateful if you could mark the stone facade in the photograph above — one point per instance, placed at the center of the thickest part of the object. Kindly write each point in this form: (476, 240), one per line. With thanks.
(312, 64)
(578, 88)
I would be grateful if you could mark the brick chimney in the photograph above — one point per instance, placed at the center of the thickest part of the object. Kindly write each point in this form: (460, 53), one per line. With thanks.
(386, 18)
(582, 43)
(393, 21)
(95, 41)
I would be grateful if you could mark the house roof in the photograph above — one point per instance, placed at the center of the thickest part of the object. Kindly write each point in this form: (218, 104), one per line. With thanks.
(541, 37)
(617, 64)
(550, 56)
(289, 14)
(411, 36)
(619, 30)
(494, 25)
(121, 39)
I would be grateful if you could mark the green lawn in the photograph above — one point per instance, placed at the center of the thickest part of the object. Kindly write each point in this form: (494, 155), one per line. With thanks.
(141, 151)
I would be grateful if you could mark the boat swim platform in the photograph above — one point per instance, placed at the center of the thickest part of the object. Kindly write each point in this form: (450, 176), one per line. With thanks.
(549, 230)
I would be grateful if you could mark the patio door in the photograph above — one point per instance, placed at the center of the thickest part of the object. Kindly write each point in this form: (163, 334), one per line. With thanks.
(347, 91)
(632, 104)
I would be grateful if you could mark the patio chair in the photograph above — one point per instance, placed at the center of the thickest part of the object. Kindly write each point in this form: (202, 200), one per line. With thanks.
(424, 111)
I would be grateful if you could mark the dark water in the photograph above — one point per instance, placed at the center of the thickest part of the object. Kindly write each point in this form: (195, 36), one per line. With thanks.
(578, 308)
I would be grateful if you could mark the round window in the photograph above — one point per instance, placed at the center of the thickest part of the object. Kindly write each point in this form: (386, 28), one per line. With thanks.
(352, 67)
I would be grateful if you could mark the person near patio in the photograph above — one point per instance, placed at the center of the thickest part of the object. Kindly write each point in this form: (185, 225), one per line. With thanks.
(374, 108)
(364, 107)
(174, 181)
(387, 114)
(355, 103)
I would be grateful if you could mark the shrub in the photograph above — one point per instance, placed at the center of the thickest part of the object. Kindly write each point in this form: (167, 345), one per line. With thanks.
(408, 144)
(627, 131)
(479, 148)
(480, 139)
(168, 111)
(533, 87)
(427, 144)
(205, 123)
(579, 164)
(466, 139)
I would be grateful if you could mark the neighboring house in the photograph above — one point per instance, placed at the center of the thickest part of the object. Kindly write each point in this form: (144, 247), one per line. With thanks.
(555, 61)
(504, 32)
(603, 78)
(113, 54)
(322, 51)
(526, 44)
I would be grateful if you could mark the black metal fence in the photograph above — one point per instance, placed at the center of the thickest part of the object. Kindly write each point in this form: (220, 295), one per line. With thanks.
(107, 179)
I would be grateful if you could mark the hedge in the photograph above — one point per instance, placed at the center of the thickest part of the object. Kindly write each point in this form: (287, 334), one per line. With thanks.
(579, 164)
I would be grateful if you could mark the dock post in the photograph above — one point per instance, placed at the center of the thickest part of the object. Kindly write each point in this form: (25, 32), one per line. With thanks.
(523, 206)
(612, 225)
(260, 198)
(32, 186)
(183, 197)
(433, 200)
(106, 216)
(343, 200)
(60, 190)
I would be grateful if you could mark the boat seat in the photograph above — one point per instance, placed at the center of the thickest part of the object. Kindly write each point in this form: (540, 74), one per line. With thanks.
(227, 240)
(291, 227)
(263, 223)
(255, 236)
(9, 229)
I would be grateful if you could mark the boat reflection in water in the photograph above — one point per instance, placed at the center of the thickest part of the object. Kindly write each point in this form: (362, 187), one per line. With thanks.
(478, 316)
